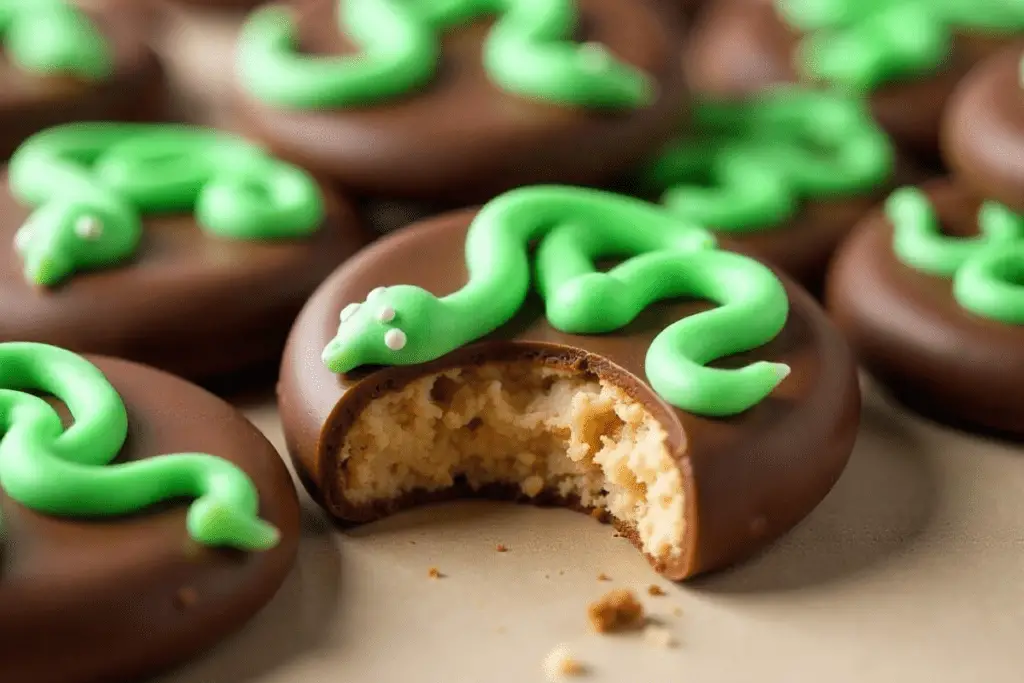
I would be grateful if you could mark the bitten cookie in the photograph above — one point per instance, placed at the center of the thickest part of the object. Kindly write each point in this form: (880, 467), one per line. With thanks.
(60, 62)
(784, 174)
(447, 103)
(907, 55)
(931, 291)
(702, 432)
(180, 247)
(105, 575)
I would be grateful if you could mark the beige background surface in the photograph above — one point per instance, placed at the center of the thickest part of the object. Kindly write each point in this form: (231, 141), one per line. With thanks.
(912, 569)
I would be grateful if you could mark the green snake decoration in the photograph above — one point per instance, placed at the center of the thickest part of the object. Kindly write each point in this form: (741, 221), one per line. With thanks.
(407, 325)
(93, 182)
(987, 270)
(53, 37)
(66, 472)
(529, 52)
(752, 163)
(862, 44)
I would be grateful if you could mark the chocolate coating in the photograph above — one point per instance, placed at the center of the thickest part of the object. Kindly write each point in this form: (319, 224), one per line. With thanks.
(30, 103)
(983, 129)
(116, 599)
(462, 139)
(741, 46)
(909, 331)
(189, 303)
(748, 478)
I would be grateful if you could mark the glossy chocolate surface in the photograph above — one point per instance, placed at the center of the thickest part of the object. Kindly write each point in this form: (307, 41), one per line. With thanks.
(462, 139)
(30, 103)
(983, 129)
(118, 599)
(189, 303)
(910, 333)
(742, 46)
(748, 478)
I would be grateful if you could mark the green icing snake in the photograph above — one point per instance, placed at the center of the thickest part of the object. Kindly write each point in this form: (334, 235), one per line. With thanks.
(93, 182)
(67, 472)
(529, 51)
(53, 37)
(987, 270)
(406, 325)
(862, 44)
(751, 164)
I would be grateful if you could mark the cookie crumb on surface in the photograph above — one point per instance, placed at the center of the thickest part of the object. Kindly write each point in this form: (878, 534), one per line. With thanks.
(560, 664)
(501, 548)
(618, 610)
(659, 636)
(678, 611)
(655, 590)
(434, 573)
(603, 577)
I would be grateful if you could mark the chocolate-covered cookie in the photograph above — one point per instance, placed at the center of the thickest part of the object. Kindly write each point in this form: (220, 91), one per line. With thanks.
(180, 247)
(143, 519)
(784, 174)
(740, 46)
(929, 294)
(60, 62)
(702, 432)
(440, 102)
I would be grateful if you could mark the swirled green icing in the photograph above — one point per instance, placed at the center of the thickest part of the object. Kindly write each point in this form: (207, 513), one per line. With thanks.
(406, 325)
(529, 52)
(67, 472)
(53, 37)
(93, 182)
(748, 166)
(863, 44)
(987, 270)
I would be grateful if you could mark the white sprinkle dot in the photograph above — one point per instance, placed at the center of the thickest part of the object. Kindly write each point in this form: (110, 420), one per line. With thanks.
(386, 314)
(395, 339)
(88, 227)
(348, 312)
(375, 292)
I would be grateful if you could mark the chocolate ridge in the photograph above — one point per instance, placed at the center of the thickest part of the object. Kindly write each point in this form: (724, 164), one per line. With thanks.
(748, 478)
(121, 598)
(909, 332)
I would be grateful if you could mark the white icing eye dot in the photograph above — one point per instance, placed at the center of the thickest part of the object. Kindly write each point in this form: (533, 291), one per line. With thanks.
(348, 311)
(88, 227)
(22, 238)
(594, 57)
(375, 292)
(386, 314)
(395, 339)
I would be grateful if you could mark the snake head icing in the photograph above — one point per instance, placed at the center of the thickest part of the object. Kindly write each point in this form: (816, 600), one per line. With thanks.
(397, 325)
(61, 238)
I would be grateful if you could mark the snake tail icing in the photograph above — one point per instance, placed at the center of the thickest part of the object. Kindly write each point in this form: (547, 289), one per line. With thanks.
(987, 270)
(91, 185)
(574, 228)
(750, 165)
(54, 37)
(529, 52)
(67, 472)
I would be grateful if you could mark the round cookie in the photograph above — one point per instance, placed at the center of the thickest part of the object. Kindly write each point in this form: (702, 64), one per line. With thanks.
(127, 588)
(939, 321)
(391, 409)
(783, 174)
(180, 247)
(983, 129)
(741, 46)
(466, 110)
(60, 62)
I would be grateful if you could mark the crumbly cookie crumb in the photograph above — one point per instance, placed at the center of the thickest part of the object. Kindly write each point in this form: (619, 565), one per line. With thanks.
(435, 573)
(560, 664)
(656, 590)
(618, 610)
(603, 577)
(501, 548)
